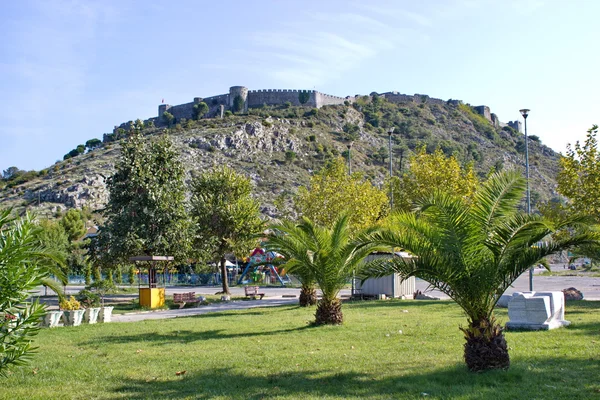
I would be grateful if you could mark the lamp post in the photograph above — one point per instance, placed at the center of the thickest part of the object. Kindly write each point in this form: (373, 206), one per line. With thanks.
(525, 113)
(391, 164)
(350, 158)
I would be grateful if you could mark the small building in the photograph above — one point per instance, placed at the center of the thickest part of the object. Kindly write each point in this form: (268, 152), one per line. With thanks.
(392, 285)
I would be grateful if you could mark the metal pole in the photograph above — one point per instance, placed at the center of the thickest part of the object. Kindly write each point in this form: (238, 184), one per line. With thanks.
(350, 159)
(527, 168)
(391, 164)
(525, 114)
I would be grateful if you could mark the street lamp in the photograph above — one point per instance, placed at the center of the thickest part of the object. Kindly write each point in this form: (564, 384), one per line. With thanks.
(350, 158)
(525, 113)
(391, 163)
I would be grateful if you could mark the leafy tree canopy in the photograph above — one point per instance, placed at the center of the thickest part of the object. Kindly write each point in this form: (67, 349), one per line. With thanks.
(73, 224)
(431, 172)
(579, 176)
(226, 216)
(333, 192)
(145, 212)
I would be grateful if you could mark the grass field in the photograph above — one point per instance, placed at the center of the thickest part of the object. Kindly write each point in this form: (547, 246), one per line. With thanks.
(385, 350)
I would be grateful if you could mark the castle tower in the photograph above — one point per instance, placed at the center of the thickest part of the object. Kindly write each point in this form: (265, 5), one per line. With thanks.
(162, 108)
(241, 91)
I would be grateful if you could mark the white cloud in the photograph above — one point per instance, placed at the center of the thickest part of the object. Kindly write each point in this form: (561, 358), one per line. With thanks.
(329, 45)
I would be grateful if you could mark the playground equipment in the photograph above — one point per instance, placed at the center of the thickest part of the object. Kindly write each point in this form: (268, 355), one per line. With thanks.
(152, 296)
(261, 258)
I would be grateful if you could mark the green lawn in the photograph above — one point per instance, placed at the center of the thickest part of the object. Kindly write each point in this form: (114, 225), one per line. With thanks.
(385, 350)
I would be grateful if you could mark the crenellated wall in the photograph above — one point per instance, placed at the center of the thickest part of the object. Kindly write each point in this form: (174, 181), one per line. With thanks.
(323, 99)
(270, 97)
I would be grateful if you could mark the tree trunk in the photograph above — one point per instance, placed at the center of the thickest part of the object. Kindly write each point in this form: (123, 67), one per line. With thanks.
(224, 276)
(486, 346)
(308, 296)
(329, 312)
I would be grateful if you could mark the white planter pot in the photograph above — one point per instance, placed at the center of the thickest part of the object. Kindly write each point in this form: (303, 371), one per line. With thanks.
(91, 315)
(51, 319)
(73, 317)
(105, 314)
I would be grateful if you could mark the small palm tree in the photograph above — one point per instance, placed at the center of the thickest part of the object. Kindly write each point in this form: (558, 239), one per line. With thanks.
(322, 255)
(473, 253)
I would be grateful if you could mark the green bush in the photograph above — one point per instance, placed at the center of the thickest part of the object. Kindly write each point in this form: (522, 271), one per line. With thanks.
(88, 299)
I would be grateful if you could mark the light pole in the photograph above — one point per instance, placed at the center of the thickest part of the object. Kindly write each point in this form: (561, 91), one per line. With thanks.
(350, 158)
(391, 164)
(525, 113)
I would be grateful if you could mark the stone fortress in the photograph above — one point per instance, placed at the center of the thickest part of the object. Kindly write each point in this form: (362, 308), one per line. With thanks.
(218, 104)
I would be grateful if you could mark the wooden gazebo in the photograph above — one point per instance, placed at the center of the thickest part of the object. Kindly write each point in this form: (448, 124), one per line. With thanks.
(152, 296)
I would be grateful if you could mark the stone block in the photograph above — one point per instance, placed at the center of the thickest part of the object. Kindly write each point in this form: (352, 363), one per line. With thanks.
(536, 310)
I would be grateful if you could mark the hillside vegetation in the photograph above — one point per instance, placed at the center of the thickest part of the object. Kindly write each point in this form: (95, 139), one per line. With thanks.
(280, 147)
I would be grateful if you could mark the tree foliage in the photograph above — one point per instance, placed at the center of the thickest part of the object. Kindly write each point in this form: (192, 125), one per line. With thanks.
(24, 264)
(303, 96)
(93, 144)
(473, 251)
(238, 104)
(226, 217)
(432, 172)
(579, 176)
(332, 192)
(200, 109)
(145, 212)
(73, 224)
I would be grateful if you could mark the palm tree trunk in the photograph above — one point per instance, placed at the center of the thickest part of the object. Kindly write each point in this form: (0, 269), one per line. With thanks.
(329, 312)
(308, 296)
(486, 346)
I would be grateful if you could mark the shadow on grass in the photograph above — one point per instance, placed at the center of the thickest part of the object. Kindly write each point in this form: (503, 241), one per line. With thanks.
(452, 382)
(370, 304)
(185, 336)
(581, 306)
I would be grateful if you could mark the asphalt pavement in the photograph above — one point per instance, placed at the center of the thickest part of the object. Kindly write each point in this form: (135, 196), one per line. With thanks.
(276, 296)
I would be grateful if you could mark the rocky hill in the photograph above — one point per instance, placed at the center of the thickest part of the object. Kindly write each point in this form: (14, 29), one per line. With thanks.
(279, 147)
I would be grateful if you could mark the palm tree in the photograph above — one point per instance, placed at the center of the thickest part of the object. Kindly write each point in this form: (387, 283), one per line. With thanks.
(473, 253)
(326, 256)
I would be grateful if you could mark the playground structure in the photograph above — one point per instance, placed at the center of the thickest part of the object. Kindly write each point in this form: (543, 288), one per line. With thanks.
(261, 259)
(152, 296)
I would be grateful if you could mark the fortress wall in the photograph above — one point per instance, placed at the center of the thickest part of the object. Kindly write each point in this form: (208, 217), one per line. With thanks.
(398, 97)
(216, 100)
(327, 100)
(182, 111)
(256, 98)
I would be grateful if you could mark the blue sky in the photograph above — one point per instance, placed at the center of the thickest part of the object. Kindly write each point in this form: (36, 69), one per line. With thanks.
(71, 70)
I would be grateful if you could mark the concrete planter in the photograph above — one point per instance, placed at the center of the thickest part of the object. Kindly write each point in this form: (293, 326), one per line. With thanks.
(51, 319)
(73, 317)
(105, 314)
(91, 315)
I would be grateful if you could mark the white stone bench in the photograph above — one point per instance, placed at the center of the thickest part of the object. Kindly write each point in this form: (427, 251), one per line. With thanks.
(536, 310)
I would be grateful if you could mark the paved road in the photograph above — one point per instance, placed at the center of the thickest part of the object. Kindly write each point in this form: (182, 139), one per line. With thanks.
(276, 296)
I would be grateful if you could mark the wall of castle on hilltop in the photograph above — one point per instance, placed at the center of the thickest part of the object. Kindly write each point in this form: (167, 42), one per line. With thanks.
(323, 99)
(270, 97)
(485, 111)
(215, 100)
(182, 111)
(516, 125)
(240, 91)
(396, 97)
